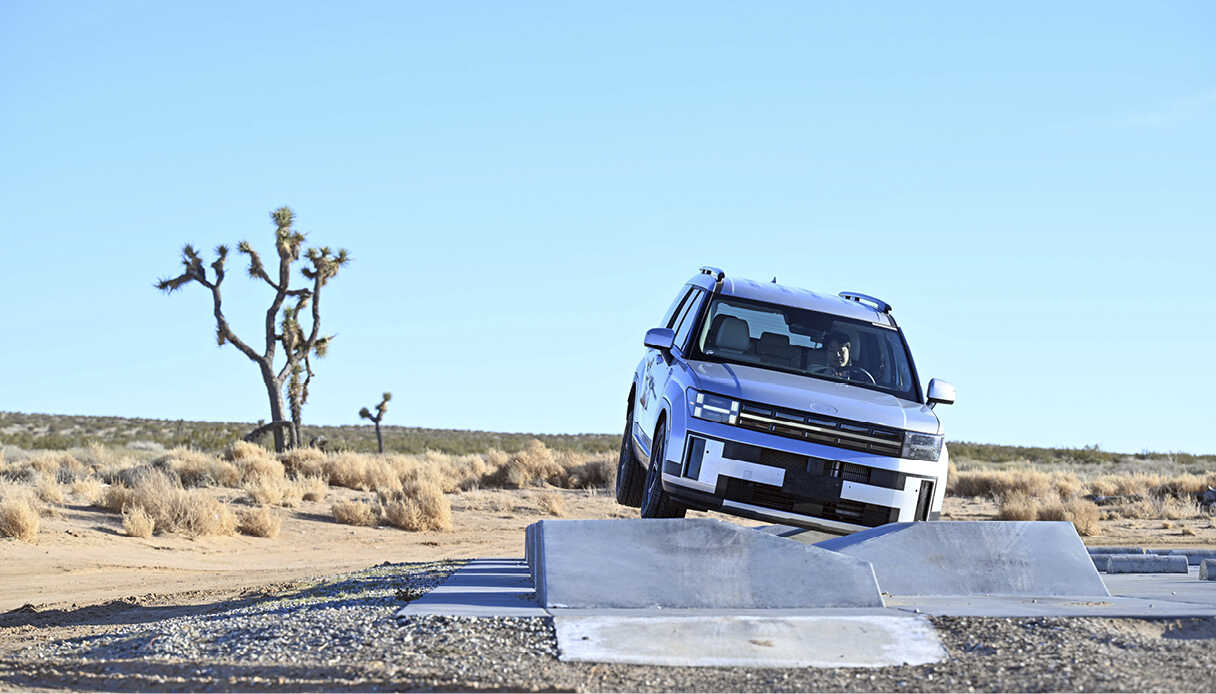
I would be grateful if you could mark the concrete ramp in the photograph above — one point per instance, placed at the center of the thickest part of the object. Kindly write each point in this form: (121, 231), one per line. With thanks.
(693, 563)
(1040, 558)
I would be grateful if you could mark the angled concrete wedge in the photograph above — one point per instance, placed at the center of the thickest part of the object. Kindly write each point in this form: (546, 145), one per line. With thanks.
(688, 563)
(1038, 558)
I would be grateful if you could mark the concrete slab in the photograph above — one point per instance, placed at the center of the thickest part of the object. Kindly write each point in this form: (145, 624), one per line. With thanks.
(481, 588)
(750, 641)
(1162, 587)
(694, 563)
(1207, 570)
(1020, 606)
(1146, 564)
(1035, 558)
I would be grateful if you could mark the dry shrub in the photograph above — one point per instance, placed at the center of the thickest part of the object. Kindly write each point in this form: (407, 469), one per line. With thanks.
(116, 497)
(1187, 486)
(355, 513)
(49, 490)
(1018, 506)
(19, 517)
(88, 490)
(1155, 507)
(364, 472)
(303, 462)
(1000, 483)
(595, 473)
(534, 464)
(196, 469)
(552, 504)
(1124, 484)
(312, 488)
(172, 509)
(1081, 513)
(244, 450)
(263, 491)
(259, 522)
(420, 505)
(137, 522)
(60, 466)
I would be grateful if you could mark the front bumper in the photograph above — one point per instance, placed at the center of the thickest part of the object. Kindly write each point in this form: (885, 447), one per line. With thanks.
(783, 480)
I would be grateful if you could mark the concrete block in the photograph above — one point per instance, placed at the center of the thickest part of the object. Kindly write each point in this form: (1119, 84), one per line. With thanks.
(1041, 558)
(689, 563)
(1098, 549)
(1193, 556)
(1207, 570)
(1101, 560)
(1146, 564)
(770, 641)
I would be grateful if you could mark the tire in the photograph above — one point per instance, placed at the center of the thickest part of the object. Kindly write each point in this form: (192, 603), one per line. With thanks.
(628, 470)
(657, 503)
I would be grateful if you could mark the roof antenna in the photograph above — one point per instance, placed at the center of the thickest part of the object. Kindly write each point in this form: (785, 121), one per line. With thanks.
(774, 279)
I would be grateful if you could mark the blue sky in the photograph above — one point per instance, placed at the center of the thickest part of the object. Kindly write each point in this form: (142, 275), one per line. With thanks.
(524, 187)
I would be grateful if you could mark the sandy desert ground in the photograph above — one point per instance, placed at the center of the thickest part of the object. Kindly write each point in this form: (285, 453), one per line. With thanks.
(82, 555)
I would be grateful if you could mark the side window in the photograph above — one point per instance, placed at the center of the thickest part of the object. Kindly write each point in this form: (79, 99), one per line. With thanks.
(692, 309)
(674, 309)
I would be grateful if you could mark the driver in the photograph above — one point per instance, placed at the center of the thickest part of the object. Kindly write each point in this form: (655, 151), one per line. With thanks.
(839, 349)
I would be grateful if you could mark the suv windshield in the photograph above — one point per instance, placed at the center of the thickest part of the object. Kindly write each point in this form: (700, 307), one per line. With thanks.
(808, 343)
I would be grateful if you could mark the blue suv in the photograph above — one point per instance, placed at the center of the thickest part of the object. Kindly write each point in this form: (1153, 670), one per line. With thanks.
(783, 405)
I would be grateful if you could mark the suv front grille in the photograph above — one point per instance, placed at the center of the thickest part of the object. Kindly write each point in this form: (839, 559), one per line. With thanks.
(842, 510)
(830, 431)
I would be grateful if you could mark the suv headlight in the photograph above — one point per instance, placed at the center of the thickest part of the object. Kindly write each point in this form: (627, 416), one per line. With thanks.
(713, 408)
(922, 446)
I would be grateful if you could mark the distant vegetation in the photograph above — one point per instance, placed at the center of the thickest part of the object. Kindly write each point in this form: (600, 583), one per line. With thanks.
(48, 431)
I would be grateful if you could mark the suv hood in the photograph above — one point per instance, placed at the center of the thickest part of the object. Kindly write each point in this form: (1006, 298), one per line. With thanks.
(808, 394)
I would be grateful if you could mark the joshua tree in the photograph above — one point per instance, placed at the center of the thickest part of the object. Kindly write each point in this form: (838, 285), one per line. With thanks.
(380, 410)
(284, 313)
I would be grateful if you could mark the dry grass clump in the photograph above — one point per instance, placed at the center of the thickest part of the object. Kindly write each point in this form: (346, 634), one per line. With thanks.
(1083, 514)
(1001, 483)
(312, 488)
(49, 490)
(355, 513)
(88, 490)
(363, 472)
(534, 464)
(172, 508)
(1152, 507)
(303, 462)
(19, 516)
(421, 505)
(259, 522)
(552, 504)
(138, 522)
(197, 469)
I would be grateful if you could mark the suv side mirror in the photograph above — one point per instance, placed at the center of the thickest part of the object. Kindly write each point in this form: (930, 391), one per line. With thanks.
(940, 391)
(660, 338)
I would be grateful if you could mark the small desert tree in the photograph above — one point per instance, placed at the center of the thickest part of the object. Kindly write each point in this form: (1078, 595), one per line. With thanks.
(380, 410)
(282, 326)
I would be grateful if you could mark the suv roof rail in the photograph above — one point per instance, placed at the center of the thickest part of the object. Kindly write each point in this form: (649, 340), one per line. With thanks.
(879, 304)
(716, 272)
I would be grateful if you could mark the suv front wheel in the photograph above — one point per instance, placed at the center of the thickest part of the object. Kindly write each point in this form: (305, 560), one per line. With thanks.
(628, 472)
(657, 503)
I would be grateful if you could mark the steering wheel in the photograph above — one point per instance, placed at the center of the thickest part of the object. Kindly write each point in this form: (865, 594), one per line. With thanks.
(852, 373)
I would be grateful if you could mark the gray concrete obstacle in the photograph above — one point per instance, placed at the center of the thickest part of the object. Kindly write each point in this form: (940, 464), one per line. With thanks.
(693, 563)
(1193, 556)
(1146, 564)
(1098, 549)
(1040, 558)
(1101, 560)
(1207, 570)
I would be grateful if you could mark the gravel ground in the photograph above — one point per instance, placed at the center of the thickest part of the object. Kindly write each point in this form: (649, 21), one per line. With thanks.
(341, 634)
